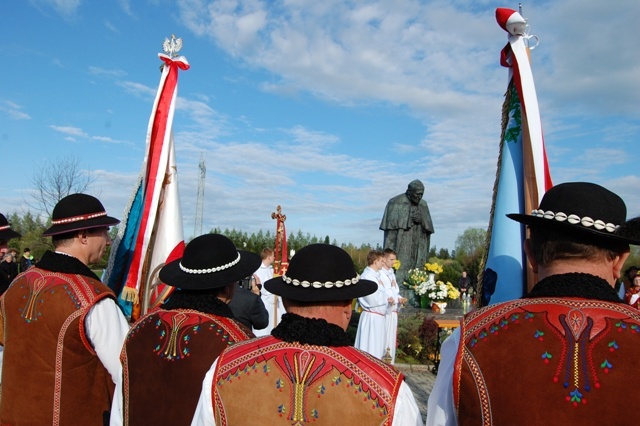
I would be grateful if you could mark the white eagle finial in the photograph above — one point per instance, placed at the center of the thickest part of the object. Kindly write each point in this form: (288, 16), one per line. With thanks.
(172, 46)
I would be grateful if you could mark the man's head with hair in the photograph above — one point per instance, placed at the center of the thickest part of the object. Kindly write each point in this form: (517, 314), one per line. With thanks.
(373, 256)
(550, 245)
(267, 255)
(579, 227)
(390, 257)
(87, 245)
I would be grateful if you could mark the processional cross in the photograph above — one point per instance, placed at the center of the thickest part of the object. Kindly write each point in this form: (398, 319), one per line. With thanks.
(280, 263)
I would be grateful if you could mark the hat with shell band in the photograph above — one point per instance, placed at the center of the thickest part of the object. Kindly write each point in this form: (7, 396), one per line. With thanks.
(6, 233)
(209, 261)
(584, 209)
(321, 273)
(76, 212)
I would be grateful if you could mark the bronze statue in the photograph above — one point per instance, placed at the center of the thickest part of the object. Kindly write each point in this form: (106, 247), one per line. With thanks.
(407, 228)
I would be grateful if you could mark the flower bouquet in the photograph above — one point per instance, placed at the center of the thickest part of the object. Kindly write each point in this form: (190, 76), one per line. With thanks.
(439, 292)
(434, 268)
(414, 278)
(396, 265)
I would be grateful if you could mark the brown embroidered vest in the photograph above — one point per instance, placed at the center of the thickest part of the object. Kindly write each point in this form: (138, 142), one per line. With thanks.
(165, 358)
(51, 374)
(287, 383)
(546, 361)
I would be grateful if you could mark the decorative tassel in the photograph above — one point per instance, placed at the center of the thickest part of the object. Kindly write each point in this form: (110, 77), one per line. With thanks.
(130, 295)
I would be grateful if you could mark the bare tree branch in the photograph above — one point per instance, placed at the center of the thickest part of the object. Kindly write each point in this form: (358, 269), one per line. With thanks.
(55, 179)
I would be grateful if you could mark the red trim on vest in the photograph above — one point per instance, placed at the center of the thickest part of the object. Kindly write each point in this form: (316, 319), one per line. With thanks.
(381, 381)
(579, 325)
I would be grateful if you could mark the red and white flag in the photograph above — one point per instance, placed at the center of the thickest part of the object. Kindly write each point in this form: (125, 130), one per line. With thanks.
(159, 235)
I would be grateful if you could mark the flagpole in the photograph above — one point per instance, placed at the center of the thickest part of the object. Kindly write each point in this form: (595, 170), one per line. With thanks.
(154, 226)
(523, 173)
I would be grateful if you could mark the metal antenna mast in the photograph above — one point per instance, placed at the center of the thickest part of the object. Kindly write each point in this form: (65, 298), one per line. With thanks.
(197, 228)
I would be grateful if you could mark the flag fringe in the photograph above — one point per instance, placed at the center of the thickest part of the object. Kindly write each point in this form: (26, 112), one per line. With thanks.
(122, 228)
(130, 294)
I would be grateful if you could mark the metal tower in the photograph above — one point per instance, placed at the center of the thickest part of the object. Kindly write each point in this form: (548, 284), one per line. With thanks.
(197, 228)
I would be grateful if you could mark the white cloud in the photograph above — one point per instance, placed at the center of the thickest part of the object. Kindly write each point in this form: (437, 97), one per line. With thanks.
(590, 59)
(65, 8)
(70, 130)
(14, 110)
(115, 73)
(125, 5)
(138, 89)
(111, 27)
(440, 61)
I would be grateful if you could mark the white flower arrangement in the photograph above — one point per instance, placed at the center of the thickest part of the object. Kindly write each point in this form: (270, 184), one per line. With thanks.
(437, 291)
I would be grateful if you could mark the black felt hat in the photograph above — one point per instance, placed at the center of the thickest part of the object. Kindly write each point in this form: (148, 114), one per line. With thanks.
(584, 209)
(6, 233)
(321, 273)
(78, 211)
(209, 261)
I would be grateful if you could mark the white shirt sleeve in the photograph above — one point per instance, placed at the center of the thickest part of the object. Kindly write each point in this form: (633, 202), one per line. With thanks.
(407, 412)
(441, 410)
(106, 327)
(375, 302)
(204, 410)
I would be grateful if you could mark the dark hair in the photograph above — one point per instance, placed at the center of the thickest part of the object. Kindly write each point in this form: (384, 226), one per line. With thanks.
(549, 245)
(26, 249)
(389, 251)
(60, 240)
(199, 300)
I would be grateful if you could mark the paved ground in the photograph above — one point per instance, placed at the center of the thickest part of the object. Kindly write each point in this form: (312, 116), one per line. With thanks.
(420, 379)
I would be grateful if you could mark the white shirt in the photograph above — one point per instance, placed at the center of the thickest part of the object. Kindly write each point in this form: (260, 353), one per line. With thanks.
(272, 303)
(390, 284)
(441, 410)
(107, 342)
(264, 273)
(406, 412)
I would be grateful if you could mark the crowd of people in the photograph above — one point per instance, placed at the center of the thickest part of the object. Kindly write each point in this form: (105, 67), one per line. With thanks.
(70, 356)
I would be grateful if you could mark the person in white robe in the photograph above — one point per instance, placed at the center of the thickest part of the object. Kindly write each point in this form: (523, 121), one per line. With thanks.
(272, 302)
(371, 336)
(388, 277)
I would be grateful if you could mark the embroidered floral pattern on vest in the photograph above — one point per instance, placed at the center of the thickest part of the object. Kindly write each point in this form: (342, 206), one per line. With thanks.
(176, 328)
(303, 371)
(578, 326)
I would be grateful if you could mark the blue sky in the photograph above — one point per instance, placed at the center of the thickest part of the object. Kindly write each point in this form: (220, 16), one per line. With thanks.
(326, 108)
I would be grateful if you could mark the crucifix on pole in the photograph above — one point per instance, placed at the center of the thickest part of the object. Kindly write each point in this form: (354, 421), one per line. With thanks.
(281, 262)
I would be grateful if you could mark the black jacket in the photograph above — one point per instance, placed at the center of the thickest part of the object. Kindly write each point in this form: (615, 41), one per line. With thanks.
(249, 309)
(8, 271)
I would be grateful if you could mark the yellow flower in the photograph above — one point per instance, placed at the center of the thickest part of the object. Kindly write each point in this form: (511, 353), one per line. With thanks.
(396, 264)
(433, 267)
(452, 292)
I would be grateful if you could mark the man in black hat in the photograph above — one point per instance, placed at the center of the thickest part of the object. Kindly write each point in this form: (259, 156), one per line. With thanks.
(167, 352)
(564, 354)
(306, 370)
(6, 234)
(60, 326)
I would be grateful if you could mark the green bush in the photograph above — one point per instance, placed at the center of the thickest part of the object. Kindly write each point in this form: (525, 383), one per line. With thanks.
(417, 339)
